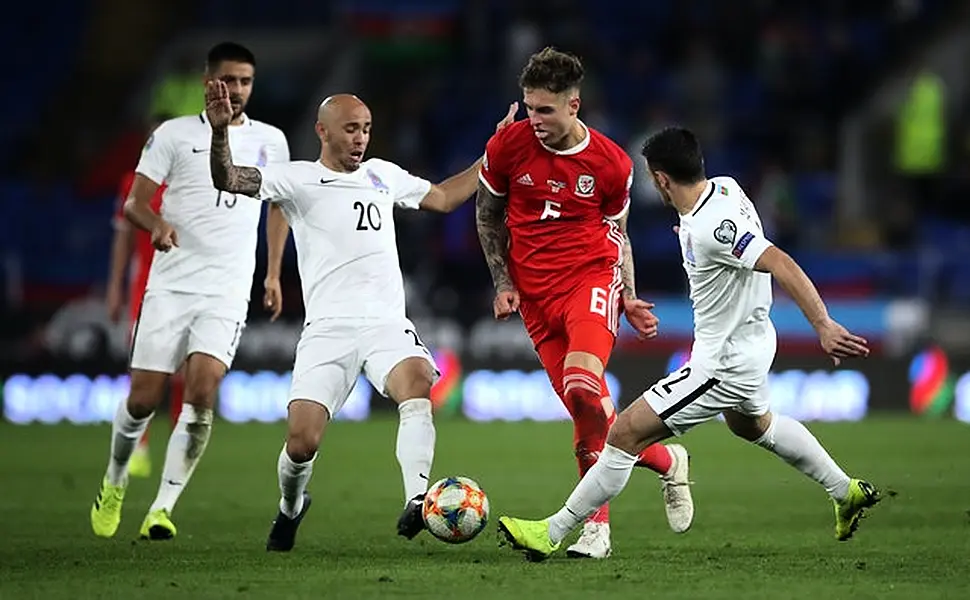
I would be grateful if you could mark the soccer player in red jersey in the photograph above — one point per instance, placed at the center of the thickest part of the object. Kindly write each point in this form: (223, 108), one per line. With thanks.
(131, 252)
(551, 212)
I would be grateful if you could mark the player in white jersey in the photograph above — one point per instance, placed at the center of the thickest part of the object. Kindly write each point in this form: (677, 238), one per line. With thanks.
(197, 296)
(729, 265)
(341, 209)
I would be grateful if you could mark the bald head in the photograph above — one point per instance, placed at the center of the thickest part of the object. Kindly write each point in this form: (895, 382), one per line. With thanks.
(339, 108)
(343, 125)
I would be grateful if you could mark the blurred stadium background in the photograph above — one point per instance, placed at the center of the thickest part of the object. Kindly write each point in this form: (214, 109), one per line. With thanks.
(847, 122)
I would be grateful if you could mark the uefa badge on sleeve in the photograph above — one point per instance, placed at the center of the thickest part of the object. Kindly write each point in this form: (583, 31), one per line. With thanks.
(726, 232)
(585, 185)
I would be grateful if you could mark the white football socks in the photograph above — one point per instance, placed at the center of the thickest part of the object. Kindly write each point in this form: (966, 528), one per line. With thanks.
(185, 447)
(125, 433)
(603, 482)
(793, 443)
(415, 445)
(293, 478)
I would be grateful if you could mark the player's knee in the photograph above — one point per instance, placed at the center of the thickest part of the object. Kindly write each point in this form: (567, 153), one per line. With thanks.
(583, 396)
(637, 427)
(302, 444)
(204, 374)
(146, 392)
(623, 434)
(745, 427)
(411, 378)
(306, 422)
(202, 392)
(585, 361)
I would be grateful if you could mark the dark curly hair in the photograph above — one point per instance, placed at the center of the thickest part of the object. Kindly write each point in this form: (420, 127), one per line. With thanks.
(676, 152)
(552, 70)
(228, 52)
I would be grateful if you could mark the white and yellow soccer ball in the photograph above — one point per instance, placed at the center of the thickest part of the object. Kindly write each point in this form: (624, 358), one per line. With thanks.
(455, 509)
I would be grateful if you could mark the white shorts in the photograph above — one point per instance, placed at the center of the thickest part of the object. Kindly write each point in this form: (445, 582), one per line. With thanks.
(693, 395)
(174, 325)
(333, 352)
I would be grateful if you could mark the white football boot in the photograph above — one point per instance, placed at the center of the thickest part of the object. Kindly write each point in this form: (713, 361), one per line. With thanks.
(678, 502)
(593, 543)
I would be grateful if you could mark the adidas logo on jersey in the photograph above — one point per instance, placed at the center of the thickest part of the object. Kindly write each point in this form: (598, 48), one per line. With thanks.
(524, 180)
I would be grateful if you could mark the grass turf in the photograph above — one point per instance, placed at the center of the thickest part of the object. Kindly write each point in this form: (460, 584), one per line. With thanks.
(761, 531)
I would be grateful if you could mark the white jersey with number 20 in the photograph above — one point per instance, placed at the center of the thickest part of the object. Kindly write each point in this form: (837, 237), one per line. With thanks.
(343, 224)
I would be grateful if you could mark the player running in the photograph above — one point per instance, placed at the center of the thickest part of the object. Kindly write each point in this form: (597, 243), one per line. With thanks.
(552, 211)
(729, 265)
(341, 208)
(197, 297)
(131, 255)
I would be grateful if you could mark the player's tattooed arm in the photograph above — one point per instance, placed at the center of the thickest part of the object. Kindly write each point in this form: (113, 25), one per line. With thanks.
(493, 234)
(226, 176)
(627, 268)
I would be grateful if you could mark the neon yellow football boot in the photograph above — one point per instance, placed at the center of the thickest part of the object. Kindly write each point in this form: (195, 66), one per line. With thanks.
(530, 536)
(848, 512)
(157, 526)
(106, 510)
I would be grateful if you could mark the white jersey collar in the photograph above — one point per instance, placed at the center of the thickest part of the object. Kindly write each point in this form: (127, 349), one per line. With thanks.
(582, 145)
(245, 119)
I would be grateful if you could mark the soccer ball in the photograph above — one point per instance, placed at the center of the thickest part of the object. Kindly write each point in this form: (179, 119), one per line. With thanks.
(455, 510)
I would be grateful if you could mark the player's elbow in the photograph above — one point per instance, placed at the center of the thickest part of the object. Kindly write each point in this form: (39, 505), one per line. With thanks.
(773, 260)
(129, 209)
(447, 207)
(437, 201)
(220, 181)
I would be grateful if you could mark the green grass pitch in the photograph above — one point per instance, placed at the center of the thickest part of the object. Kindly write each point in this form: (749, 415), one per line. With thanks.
(761, 530)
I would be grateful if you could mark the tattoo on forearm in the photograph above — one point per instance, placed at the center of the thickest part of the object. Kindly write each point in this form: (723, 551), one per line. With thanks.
(627, 267)
(493, 234)
(227, 176)
(627, 271)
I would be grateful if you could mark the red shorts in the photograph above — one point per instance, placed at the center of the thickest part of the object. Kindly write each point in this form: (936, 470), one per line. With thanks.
(585, 319)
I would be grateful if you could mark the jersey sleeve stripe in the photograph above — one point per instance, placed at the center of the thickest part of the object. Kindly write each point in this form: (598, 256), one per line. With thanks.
(488, 186)
(613, 234)
(613, 301)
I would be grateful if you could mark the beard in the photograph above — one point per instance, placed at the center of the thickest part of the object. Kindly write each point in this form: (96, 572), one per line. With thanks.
(237, 112)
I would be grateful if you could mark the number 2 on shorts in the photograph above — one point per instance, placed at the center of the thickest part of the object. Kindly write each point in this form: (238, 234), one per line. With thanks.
(674, 378)
(417, 340)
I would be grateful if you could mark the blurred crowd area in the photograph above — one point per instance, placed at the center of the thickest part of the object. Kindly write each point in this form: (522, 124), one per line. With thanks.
(766, 84)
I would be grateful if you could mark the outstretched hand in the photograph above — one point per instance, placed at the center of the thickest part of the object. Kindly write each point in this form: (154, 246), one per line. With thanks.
(839, 344)
(509, 117)
(218, 107)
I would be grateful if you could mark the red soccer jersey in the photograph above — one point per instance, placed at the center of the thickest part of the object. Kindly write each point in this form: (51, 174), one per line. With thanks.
(142, 251)
(561, 206)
